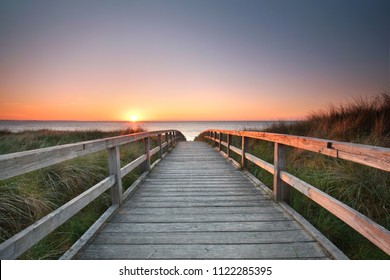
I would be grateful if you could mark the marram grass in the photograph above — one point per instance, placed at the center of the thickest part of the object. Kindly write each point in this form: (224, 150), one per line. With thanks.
(26, 198)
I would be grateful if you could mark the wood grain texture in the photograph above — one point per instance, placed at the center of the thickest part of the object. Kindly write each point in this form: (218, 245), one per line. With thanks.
(195, 205)
(294, 250)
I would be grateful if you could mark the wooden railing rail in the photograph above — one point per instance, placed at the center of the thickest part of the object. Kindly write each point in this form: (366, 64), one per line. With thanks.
(377, 157)
(22, 162)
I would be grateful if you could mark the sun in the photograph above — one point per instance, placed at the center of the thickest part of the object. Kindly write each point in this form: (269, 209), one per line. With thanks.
(133, 118)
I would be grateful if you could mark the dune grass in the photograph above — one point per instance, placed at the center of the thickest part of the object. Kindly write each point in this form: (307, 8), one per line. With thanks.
(27, 198)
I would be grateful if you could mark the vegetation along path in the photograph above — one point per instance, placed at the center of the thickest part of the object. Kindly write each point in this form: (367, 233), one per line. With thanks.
(195, 205)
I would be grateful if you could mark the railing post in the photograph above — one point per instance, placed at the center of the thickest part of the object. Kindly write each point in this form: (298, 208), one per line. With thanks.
(244, 148)
(214, 138)
(167, 140)
(281, 190)
(114, 168)
(159, 141)
(147, 153)
(220, 140)
(171, 137)
(229, 141)
(174, 138)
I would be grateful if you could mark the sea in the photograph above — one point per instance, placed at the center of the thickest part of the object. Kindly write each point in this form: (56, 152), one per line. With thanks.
(190, 129)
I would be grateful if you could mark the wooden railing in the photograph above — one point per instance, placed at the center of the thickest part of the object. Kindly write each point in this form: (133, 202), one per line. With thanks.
(19, 163)
(376, 157)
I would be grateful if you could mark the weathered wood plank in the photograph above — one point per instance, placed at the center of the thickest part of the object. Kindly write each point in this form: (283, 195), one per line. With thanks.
(302, 250)
(260, 163)
(199, 218)
(132, 165)
(189, 193)
(166, 204)
(270, 208)
(207, 199)
(254, 237)
(197, 227)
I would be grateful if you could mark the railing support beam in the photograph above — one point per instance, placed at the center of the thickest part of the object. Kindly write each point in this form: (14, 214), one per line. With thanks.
(147, 153)
(229, 141)
(167, 140)
(281, 189)
(159, 142)
(114, 168)
(244, 149)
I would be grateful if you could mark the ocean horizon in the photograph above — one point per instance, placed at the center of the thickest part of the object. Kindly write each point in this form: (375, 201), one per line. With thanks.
(190, 129)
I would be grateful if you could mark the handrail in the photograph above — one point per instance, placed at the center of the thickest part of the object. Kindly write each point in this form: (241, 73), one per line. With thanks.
(22, 162)
(377, 157)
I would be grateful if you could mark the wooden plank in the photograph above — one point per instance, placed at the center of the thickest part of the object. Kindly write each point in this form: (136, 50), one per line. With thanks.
(236, 150)
(260, 163)
(254, 237)
(132, 165)
(270, 208)
(302, 250)
(193, 199)
(199, 218)
(24, 240)
(154, 151)
(377, 234)
(164, 193)
(166, 204)
(201, 227)
(195, 188)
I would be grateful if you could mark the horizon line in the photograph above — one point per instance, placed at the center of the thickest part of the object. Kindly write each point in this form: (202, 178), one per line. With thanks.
(141, 121)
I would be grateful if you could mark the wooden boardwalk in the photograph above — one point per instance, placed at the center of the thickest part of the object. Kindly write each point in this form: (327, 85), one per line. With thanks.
(196, 205)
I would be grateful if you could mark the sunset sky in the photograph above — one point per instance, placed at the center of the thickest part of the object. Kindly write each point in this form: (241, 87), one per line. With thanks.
(189, 60)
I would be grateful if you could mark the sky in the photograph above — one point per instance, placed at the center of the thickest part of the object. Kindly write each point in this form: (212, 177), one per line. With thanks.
(189, 60)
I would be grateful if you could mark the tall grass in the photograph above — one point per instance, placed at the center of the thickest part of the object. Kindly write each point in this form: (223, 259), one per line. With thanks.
(366, 189)
(27, 198)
